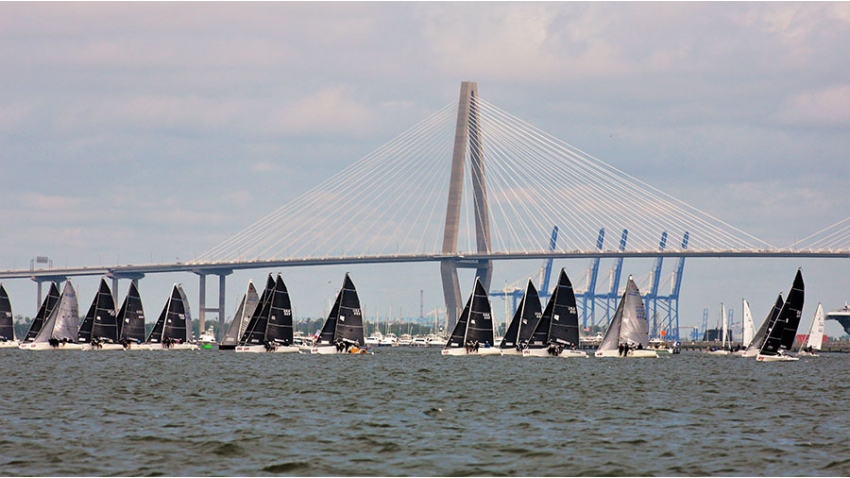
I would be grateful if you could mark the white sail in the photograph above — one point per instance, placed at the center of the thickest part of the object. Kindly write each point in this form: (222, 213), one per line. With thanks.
(815, 340)
(634, 329)
(723, 326)
(64, 320)
(749, 325)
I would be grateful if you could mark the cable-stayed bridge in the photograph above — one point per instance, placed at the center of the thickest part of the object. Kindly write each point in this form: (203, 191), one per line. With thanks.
(468, 186)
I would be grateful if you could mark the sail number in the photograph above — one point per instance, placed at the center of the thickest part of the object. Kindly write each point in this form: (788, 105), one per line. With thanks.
(355, 311)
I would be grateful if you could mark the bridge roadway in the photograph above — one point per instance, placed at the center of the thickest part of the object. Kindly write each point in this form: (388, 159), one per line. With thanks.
(470, 259)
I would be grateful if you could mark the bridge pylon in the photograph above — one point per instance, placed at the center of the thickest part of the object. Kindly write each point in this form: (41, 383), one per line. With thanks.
(467, 139)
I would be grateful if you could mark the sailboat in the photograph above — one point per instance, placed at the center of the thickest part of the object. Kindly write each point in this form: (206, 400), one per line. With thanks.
(556, 333)
(44, 311)
(343, 329)
(628, 328)
(273, 330)
(473, 333)
(815, 336)
(7, 325)
(782, 330)
(522, 325)
(131, 320)
(60, 328)
(761, 334)
(724, 328)
(99, 330)
(240, 319)
(172, 330)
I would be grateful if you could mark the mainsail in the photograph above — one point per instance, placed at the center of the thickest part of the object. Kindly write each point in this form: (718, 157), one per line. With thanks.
(100, 321)
(749, 327)
(476, 321)
(349, 319)
(47, 306)
(783, 328)
(458, 336)
(175, 320)
(255, 331)
(131, 317)
(815, 338)
(559, 324)
(7, 326)
(280, 328)
(64, 320)
(525, 319)
(241, 318)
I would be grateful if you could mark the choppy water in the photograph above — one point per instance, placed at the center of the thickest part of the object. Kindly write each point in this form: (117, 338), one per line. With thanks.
(414, 412)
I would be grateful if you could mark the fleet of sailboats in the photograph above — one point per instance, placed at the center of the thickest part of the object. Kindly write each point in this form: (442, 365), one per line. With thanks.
(265, 324)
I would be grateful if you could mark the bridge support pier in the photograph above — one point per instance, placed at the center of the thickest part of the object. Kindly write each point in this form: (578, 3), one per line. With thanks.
(202, 299)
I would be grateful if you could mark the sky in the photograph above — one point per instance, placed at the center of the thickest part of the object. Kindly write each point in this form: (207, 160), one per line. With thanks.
(133, 133)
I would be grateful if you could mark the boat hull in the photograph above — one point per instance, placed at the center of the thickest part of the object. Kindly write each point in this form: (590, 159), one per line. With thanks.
(544, 352)
(159, 346)
(803, 353)
(481, 351)
(283, 349)
(47, 346)
(10, 344)
(331, 350)
(776, 358)
(511, 351)
(718, 352)
(633, 353)
(88, 347)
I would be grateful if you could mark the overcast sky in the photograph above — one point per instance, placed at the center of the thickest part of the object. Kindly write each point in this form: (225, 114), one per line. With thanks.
(150, 132)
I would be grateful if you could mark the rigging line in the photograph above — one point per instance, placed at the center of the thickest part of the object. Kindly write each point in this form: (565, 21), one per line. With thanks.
(646, 185)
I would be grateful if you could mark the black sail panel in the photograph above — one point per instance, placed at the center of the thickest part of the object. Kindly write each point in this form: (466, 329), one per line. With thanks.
(7, 326)
(540, 336)
(104, 320)
(329, 328)
(131, 317)
(761, 334)
(480, 326)
(563, 325)
(773, 338)
(44, 311)
(511, 337)
(178, 322)
(279, 328)
(531, 314)
(84, 334)
(459, 332)
(255, 334)
(792, 311)
(349, 325)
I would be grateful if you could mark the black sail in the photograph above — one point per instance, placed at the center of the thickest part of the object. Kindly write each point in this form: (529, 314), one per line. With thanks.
(44, 311)
(480, 326)
(349, 321)
(563, 325)
(255, 334)
(279, 328)
(525, 319)
(459, 333)
(100, 321)
(173, 320)
(7, 326)
(793, 311)
(761, 334)
(131, 317)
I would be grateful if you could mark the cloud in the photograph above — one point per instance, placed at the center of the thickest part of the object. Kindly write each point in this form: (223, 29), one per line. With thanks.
(825, 108)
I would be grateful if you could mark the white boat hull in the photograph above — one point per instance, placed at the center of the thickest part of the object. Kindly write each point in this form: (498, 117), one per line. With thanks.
(717, 352)
(331, 349)
(511, 351)
(47, 346)
(803, 353)
(10, 344)
(88, 347)
(159, 346)
(566, 353)
(633, 353)
(481, 351)
(776, 358)
(282, 349)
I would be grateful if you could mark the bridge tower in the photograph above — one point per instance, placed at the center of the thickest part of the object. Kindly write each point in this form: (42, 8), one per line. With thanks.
(467, 138)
